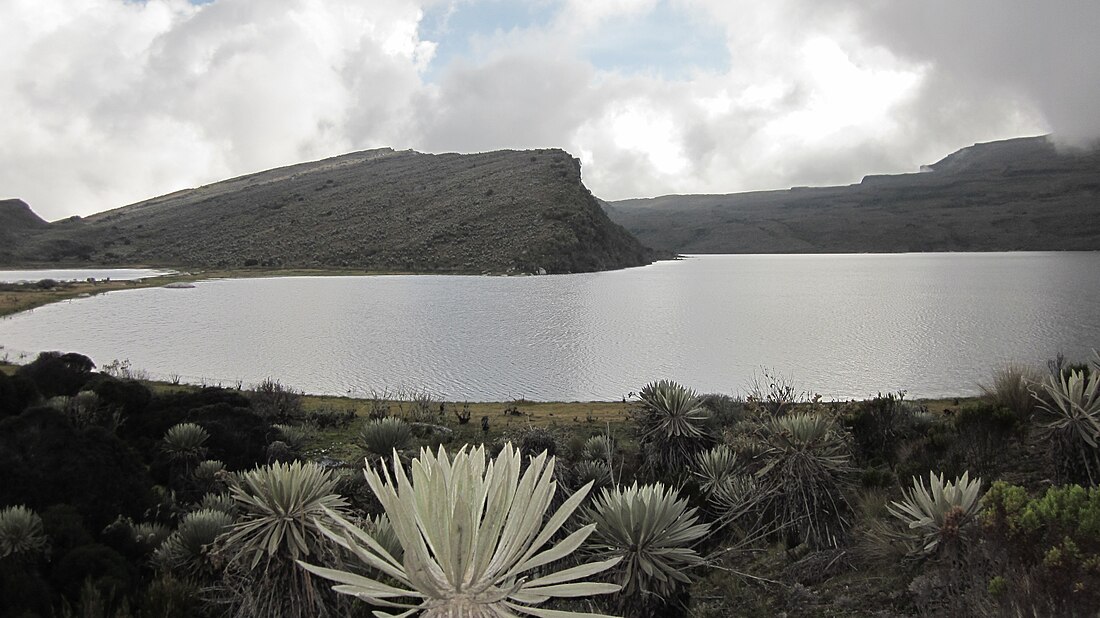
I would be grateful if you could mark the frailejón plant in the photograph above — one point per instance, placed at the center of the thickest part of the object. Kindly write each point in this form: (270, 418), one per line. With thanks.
(470, 528)
(653, 531)
(938, 511)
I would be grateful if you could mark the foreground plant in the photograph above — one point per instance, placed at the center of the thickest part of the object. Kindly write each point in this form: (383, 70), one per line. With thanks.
(940, 510)
(279, 507)
(1069, 416)
(187, 551)
(469, 528)
(21, 532)
(806, 466)
(653, 531)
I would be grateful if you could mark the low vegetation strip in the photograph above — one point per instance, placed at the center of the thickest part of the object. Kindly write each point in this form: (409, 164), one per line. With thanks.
(130, 498)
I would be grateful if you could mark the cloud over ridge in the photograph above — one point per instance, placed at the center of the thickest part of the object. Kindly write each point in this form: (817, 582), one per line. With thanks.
(107, 102)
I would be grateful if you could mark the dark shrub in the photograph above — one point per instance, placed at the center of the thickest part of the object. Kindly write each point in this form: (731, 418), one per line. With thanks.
(16, 394)
(724, 410)
(535, 440)
(64, 526)
(130, 396)
(983, 431)
(146, 429)
(879, 426)
(275, 402)
(23, 591)
(108, 571)
(238, 437)
(47, 461)
(54, 373)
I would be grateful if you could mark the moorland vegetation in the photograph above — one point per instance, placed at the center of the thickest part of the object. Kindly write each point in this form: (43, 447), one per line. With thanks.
(123, 497)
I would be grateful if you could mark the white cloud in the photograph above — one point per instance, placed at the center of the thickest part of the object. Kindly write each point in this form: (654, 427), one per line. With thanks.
(107, 102)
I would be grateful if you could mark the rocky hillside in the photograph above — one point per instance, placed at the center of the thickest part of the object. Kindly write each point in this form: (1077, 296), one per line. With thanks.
(16, 221)
(502, 212)
(1019, 194)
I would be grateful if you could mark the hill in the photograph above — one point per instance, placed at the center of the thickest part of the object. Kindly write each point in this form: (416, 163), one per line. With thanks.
(1018, 194)
(503, 212)
(16, 220)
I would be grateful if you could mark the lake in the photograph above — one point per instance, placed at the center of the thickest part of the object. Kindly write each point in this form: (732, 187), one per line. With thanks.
(80, 274)
(844, 326)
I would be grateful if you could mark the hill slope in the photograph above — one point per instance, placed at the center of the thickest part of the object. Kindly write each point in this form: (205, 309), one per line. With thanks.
(16, 220)
(1018, 194)
(503, 211)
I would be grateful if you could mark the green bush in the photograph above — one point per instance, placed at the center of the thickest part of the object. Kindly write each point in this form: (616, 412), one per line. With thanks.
(1047, 547)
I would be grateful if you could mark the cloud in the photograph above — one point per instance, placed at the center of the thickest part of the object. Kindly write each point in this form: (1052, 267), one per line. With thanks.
(1037, 53)
(108, 102)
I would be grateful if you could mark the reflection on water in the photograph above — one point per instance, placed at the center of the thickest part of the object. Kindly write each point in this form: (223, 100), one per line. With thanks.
(841, 325)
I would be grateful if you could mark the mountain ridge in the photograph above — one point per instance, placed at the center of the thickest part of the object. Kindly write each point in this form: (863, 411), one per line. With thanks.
(1017, 194)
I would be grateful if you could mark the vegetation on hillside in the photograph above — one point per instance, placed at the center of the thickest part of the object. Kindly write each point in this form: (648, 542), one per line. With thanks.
(124, 498)
(499, 212)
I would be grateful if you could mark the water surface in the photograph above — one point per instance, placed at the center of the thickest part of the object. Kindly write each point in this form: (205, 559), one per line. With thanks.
(843, 326)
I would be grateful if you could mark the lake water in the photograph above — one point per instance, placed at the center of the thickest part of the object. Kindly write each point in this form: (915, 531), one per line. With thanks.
(80, 274)
(844, 326)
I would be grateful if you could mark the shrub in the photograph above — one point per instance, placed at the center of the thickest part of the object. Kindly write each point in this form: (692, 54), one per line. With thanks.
(1046, 547)
(469, 530)
(1069, 416)
(16, 394)
(879, 426)
(382, 437)
(940, 511)
(535, 440)
(275, 402)
(21, 532)
(54, 373)
(772, 394)
(672, 427)
(805, 468)
(652, 531)
(47, 461)
(294, 436)
(983, 432)
(1011, 388)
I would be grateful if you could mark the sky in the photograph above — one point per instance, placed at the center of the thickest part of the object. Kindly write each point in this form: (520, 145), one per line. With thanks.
(107, 102)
